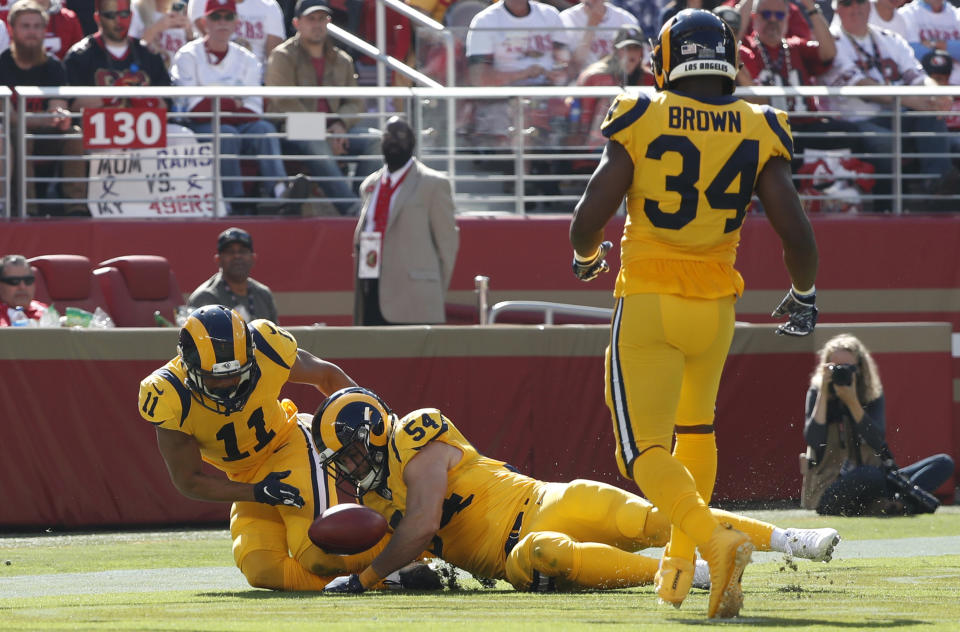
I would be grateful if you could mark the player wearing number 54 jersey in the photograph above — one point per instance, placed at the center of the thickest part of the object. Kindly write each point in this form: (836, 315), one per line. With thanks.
(688, 159)
(438, 493)
(217, 401)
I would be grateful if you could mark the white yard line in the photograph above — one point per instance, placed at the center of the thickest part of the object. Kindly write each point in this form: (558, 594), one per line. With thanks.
(228, 578)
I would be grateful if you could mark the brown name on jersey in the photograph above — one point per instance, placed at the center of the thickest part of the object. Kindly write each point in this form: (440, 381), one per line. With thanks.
(703, 120)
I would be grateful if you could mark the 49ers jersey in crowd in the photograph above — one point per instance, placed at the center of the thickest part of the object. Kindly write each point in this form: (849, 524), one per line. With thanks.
(686, 204)
(89, 63)
(482, 501)
(239, 442)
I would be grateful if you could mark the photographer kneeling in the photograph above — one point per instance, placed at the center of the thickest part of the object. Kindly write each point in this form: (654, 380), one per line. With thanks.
(848, 469)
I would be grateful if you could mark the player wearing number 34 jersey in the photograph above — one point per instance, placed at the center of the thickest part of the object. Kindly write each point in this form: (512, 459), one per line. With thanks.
(699, 161)
(217, 401)
(688, 159)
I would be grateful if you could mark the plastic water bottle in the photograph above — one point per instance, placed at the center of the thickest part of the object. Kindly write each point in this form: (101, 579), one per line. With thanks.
(160, 320)
(101, 319)
(50, 317)
(19, 318)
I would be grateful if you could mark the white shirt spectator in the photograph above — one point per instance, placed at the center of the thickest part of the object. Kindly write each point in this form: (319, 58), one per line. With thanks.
(4, 37)
(896, 24)
(882, 56)
(192, 67)
(516, 43)
(169, 42)
(602, 45)
(923, 25)
(256, 19)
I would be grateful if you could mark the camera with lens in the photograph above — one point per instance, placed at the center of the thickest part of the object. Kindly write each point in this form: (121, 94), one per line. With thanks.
(915, 499)
(842, 374)
(178, 7)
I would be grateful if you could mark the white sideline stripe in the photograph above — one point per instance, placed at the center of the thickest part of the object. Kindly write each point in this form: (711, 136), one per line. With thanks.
(215, 578)
(955, 344)
(863, 549)
(227, 578)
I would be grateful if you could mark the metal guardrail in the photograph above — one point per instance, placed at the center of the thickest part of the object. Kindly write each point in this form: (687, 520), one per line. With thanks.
(548, 309)
(486, 178)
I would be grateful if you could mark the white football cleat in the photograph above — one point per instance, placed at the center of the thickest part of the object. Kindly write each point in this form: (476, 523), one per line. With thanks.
(812, 544)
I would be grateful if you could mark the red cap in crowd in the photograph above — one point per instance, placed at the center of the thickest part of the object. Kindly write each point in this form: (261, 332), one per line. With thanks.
(227, 6)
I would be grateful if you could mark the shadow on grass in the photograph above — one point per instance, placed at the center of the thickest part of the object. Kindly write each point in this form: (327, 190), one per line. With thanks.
(780, 622)
(255, 593)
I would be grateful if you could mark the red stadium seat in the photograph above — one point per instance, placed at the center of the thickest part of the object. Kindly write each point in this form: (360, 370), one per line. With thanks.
(67, 281)
(136, 286)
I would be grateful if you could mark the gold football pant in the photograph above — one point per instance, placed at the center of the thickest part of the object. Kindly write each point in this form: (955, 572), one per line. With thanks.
(585, 534)
(663, 370)
(581, 535)
(270, 543)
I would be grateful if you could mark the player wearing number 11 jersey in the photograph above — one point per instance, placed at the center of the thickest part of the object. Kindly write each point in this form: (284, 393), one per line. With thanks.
(218, 401)
(688, 160)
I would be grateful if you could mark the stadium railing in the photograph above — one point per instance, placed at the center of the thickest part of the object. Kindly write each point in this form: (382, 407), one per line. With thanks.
(533, 166)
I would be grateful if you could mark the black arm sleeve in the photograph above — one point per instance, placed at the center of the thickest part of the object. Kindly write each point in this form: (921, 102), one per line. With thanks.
(873, 427)
(814, 433)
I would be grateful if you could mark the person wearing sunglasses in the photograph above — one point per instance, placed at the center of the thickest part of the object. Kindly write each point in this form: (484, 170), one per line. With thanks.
(259, 26)
(773, 58)
(215, 60)
(17, 288)
(110, 57)
(870, 56)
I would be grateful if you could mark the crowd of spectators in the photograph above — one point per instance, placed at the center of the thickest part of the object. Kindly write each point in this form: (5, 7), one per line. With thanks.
(504, 43)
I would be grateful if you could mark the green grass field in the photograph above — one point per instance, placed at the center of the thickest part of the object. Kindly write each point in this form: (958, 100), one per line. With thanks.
(889, 573)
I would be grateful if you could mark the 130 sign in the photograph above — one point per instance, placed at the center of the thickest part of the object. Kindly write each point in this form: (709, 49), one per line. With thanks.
(124, 128)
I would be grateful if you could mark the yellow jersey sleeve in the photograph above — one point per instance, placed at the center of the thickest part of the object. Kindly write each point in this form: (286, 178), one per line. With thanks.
(780, 126)
(162, 395)
(623, 112)
(414, 432)
(274, 342)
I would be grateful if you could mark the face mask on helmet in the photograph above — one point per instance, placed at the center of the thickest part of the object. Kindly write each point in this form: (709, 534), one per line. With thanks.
(350, 431)
(695, 43)
(217, 351)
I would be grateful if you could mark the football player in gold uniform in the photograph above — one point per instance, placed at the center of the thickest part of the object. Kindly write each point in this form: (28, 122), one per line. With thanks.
(437, 493)
(217, 401)
(688, 159)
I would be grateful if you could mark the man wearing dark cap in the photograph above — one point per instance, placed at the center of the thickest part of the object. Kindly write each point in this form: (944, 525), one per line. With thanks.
(938, 65)
(407, 238)
(232, 285)
(310, 59)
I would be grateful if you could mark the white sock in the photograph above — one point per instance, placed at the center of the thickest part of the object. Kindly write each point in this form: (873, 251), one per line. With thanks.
(278, 189)
(778, 540)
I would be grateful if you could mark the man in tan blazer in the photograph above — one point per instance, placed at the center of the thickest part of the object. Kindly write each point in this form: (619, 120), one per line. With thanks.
(406, 241)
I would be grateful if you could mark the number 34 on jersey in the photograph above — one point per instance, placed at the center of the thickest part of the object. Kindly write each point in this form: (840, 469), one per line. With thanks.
(696, 162)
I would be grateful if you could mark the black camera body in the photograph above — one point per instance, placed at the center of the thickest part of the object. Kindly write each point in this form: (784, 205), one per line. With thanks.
(842, 374)
(915, 499)
(179, 7)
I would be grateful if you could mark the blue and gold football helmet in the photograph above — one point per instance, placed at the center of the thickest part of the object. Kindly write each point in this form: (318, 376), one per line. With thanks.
(350, 430)
(694, 43)
(217, 352)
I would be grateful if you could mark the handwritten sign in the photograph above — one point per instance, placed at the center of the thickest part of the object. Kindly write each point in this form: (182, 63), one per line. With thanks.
(176, 181)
